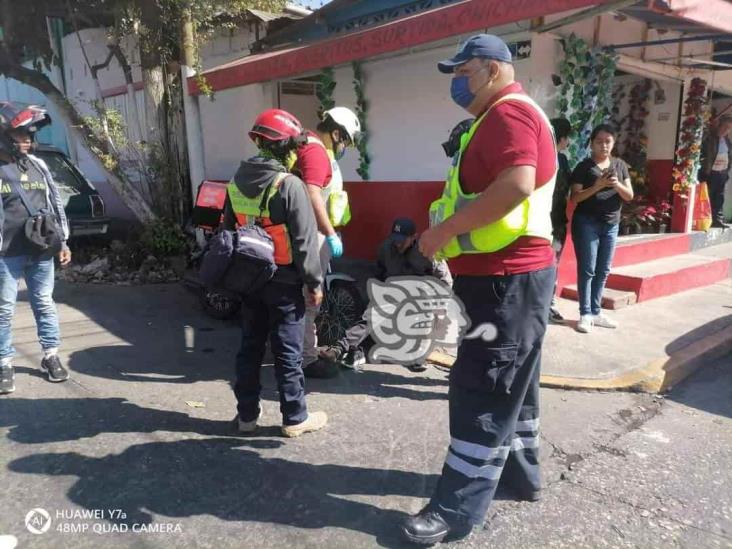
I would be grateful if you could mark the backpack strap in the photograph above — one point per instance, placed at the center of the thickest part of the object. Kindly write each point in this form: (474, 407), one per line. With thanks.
(267, 194)
(24, 198)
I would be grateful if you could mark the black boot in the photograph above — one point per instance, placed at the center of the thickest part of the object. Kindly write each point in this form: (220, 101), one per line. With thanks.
(430, 527)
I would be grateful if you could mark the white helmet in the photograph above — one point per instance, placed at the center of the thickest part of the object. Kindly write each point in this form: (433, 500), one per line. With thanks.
(347, 119)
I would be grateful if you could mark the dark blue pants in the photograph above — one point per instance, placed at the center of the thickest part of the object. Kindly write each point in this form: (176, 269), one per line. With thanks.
(494, 394)
(277, 312)
(716, 184)
(594, 245)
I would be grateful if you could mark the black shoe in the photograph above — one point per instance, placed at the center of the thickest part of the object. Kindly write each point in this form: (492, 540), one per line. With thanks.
(555, 317)
(321, 369)
(417, 368)
(429, 527)
(720, 225)
(354, 359)
(54, 369)
(7, 380)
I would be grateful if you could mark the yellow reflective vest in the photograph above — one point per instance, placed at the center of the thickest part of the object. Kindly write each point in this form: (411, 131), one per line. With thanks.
(255, 210)
(530, 218)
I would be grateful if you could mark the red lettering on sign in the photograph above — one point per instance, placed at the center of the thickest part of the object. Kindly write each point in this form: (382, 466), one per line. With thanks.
(429, 26)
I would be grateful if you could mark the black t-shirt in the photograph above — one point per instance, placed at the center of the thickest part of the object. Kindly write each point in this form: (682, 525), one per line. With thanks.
(16, 214)
(606, 204)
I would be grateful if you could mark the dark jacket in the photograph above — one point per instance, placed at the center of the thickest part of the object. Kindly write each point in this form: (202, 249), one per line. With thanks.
(390, 262)
(559, 199)
(291, 206)
(709, 149)
(53, 202)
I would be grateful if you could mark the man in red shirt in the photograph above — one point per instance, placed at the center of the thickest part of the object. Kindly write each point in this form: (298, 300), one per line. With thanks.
(317, 166)
(509, 161)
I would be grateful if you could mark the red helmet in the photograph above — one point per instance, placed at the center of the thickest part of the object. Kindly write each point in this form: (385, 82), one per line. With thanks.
(276, 125)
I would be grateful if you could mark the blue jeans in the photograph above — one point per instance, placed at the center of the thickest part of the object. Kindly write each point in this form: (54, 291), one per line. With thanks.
(39, 279)
(276, 313)
(594, 244)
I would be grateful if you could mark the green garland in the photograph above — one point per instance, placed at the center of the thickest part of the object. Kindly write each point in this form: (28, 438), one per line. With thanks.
(362, 107)
(586, 98)
(324, 90)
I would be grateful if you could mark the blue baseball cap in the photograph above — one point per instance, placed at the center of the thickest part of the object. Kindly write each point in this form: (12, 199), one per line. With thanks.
(486, 46)
(403, 228)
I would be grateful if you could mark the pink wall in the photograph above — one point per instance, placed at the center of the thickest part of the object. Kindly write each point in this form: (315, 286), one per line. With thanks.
(375, 204)
(659, 173)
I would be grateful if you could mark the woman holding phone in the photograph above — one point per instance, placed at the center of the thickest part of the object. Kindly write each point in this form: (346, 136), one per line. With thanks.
(600, 185)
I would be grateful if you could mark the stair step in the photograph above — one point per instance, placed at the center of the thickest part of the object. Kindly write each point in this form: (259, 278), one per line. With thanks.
(670, 275)
(635, 249)
(611, 299)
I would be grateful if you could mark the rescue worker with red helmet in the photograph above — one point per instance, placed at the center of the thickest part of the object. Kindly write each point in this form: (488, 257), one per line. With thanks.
(29, 197)
(317, 165)
(263, 192)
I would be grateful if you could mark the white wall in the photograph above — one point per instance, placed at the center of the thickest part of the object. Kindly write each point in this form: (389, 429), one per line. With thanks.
(227, 45)
(662, 122)
(225, 122)
(303, 107)
(410, 115)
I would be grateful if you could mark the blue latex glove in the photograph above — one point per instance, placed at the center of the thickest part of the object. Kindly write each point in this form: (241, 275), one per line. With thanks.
(335, 244)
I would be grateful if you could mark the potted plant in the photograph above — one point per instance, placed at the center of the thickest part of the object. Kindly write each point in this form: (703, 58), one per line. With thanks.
(663, 210)
(630, 219)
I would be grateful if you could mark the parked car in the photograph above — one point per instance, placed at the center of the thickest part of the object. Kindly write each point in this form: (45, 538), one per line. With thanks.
(83, 204)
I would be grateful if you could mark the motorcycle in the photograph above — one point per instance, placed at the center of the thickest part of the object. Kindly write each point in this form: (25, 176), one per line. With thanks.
(342, 305)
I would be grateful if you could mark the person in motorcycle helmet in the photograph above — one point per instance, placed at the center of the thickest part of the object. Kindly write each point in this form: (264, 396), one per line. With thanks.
(263, 192)
(26, 183)
(317, 165)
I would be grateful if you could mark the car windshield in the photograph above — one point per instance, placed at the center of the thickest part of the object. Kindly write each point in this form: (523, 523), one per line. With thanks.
(67, 180)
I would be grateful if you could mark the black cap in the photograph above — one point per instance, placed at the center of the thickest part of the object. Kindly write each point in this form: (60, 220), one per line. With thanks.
(403, 228)
(486, 46)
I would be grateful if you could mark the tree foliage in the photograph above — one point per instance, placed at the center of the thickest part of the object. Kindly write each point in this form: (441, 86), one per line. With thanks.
(158, 26)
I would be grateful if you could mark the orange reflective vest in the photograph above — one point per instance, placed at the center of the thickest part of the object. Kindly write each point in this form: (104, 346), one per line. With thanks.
(255, 211)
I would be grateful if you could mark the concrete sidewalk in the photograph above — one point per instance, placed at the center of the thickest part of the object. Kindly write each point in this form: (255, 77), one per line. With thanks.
(658, 343)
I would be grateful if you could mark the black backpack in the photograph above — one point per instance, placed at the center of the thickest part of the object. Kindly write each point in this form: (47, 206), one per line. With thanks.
(240, 261)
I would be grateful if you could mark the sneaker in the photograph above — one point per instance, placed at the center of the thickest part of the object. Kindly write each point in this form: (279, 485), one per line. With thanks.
(247, 426)
(54, 369)
(7, 379)
(354, 359)
(314, 422)
(584, 326)
(417, 368)
(555, 317)
(331, 354)
(321, 369)
(604, 322)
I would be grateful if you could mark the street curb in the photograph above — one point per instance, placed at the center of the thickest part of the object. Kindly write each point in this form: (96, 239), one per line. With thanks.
(657, 376)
